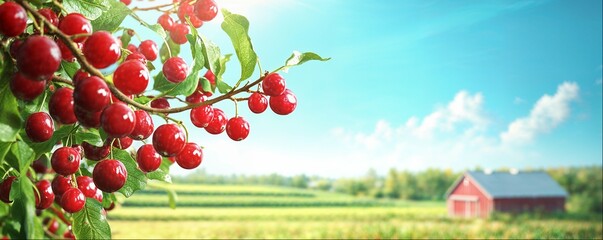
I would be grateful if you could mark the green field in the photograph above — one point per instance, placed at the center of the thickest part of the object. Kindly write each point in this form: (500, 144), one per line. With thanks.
(209, 211)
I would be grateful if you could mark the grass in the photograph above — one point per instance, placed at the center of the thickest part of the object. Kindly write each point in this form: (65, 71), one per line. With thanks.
(210, 211)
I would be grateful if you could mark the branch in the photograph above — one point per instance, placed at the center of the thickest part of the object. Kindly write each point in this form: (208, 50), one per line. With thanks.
(152, 8)
(61, 79)
(122, 97)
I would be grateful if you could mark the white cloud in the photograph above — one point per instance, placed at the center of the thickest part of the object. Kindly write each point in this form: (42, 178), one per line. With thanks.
(546, 114)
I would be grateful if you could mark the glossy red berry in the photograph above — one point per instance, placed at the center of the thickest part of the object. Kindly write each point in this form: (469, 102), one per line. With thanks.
(109, 175)
(39, 127)
(179, 32)
(73, 200)
(202, 116)
(196, 97)
(50, 15)
(60, 106)
(87, 119)
(132, 48)
(237, 128)
(190, 157)
(65, 161)
(24, 88)
(218, 123)
(13, 18)
(175, 69)
(66, 53)
(187, 10)
(38, 58)
(96, 153)
(206, 10)
(118, 120)
(131, 77)
(168, 140)
(138, 57)
(61, 184)
(161, 103)
(211, 77)
(74, 24)
(147, 158)
(166, 22)
(5, 187)
(126, 2)
(257, 103)
(46, 196)
(283, 104)
(91, 94)
(101, 49)
(143, 128)
(149, 49)
(273, 84)
(122, 143)
(86, 185)
(80, 75)
(53, 226)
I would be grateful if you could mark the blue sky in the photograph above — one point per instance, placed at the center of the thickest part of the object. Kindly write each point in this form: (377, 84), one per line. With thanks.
(418, 84)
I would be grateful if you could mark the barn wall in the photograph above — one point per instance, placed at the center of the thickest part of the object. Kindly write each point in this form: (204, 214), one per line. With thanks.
(459, 208)
(517, 205)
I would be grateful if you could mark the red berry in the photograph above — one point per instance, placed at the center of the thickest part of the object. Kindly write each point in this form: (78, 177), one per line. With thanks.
(131, 77)
(50, 15)
(147, 158)
(24, 88)
(160, 103)
(80, 75)
(60, 106)
(175, 69)
(46, 197)
(283, 104)
(91, 94)
(179, 32)
(190, 157)
(5, 187)
(86, 185)
(38, 58)
(14, 47)
(196, 97)
(117, 120)
(166, 22)
(109, 175)
(257, 103)
(273, 84)
(149, 49)
(202, 116)
(74, 24)
(39, 127)
(69, 235)
(237, 128)
(40, 166)
(66, 53)
(61, 184)
(65, 161)
(168, 140)
(53, 226)
(143, 128)
(98, 196)
(122, 143)
(196, 22)
(132, 48)
(206, 10)
(211, 77)
(101, 49)
(138, 57)
(127, 2)
(73, 200)
(87, 119)
(218, 123)
(13, 18)
(96, 153)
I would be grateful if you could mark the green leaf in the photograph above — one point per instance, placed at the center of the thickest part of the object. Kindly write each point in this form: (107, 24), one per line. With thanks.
(155, 27)
(163, 173)
(23, 209)
(89, 223)
(211, 52)
(222, 69)
(91, 136)
(39, 104)
(143, 99)
(112, 18)
(108, 199)
(206, 85)
(136, 179)
(70, 68)
(237, 28)
(223, 87)
(10, 119)
(164, 54)
(125, 38)
(92, 9)
(44, 147)
(298, 58)
(20, 156)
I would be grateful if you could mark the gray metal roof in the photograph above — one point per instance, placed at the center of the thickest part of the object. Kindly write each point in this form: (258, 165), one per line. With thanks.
(520, 184)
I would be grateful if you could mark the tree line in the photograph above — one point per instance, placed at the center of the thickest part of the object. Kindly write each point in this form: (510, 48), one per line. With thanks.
(584, 184)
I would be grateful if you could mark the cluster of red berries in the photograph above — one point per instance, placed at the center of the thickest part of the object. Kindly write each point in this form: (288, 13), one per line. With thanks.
(198, 12)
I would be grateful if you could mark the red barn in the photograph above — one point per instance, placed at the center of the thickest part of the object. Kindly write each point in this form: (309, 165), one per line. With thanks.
(478, 194)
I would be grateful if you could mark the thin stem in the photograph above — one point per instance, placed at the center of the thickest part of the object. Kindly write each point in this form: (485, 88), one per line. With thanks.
(158, 7)
(236, 106)
(62, 79)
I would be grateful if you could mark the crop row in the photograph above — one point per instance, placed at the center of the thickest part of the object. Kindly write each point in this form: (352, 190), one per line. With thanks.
(229, 193)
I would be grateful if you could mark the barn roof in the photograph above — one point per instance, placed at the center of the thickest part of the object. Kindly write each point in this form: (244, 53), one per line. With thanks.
(518, 184)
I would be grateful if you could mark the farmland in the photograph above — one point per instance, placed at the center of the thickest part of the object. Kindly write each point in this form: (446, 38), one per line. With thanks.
(226, 211)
